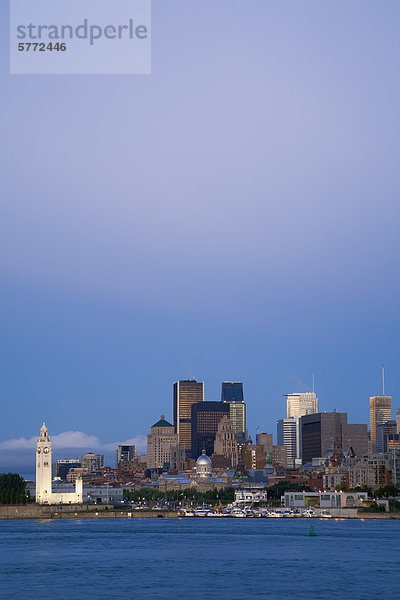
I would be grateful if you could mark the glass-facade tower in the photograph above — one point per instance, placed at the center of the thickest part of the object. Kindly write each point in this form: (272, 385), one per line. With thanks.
(232, 394)
(186, 393)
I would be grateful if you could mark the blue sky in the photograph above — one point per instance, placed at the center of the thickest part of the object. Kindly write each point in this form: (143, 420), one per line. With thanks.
(233, 216)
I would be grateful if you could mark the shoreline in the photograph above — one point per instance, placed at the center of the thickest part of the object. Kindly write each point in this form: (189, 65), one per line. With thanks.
(45, 512)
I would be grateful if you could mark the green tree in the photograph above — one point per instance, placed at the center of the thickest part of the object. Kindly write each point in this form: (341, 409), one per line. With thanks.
(12, 489)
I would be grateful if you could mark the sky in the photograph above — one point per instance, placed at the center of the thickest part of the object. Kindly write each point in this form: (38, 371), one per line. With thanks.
(232, 216)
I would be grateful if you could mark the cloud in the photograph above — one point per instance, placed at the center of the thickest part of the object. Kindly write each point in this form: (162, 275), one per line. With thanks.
(19, 453)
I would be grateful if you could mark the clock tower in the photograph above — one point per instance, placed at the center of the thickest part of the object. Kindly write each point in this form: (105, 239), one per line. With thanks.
(43, 467)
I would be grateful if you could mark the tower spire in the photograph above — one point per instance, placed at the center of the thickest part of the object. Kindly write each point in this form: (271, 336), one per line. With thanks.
(383, 380)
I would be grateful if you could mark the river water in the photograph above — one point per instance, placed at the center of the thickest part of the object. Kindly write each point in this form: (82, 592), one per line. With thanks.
(235, 559)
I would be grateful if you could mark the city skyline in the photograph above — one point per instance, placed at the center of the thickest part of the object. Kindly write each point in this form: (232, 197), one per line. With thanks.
(17, 451)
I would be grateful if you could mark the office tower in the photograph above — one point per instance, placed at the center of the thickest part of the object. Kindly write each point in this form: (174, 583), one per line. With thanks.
(265, 440)
(298, 405)
(186, 393)
(320, 432)
(380, 411)
(64, 465)
(159, 443)
(398, 419)
(232, 394)
(92, 462)
(205, 420)
(382, 433)
(288, 436)
(225, 441)
(125, 454)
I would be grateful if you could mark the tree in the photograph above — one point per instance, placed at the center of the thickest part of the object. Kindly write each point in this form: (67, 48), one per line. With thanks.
(12, 489)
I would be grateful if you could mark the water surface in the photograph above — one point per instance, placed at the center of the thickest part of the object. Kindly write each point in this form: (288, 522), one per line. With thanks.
(235, 559)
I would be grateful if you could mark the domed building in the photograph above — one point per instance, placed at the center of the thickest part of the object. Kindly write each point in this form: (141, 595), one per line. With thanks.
(204, 466)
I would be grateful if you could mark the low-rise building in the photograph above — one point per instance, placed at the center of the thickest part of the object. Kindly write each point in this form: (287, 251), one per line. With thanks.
(324, 499)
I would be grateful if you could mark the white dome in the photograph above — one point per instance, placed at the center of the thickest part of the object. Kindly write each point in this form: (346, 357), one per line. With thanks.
(204, 466)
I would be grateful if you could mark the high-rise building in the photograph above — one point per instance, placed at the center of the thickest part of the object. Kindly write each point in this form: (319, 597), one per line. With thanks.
(125, 453)
(322, 431)
(288, 436)
(159, 443)
(205, 420)
(225, 441)
(64, 465)
(298, 405)
(92, 462)
(186, 393)
(383, 431)
(232, 394)
(265, 440)
(380, 411)
(398, 419)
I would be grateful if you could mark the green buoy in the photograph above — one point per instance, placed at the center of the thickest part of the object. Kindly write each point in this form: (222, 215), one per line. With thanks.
(312, 531)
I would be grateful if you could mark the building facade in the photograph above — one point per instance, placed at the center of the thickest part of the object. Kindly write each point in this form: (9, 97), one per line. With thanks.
(320, 433)
(125, 454)
(64, 465)
(159, 444)
(92, 462)
(232, 394)
(44, 491)
(185, 394)
(225, 441)
(298, 405)
(288, 436)
(380, 411)
(205, 418)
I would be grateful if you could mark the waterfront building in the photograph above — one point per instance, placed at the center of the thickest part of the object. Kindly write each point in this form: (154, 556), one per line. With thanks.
(185, 394)
(225, 441)
(380, 411)
(321, 431)
(64, 465)
(159, 443)
(125, 454)
(103, 494)
(232, 394)
(324, 500)
(205, 418)
(44, 493)
(92, 462)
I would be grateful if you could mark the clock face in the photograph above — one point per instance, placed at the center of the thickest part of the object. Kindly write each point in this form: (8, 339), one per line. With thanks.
(46, 450)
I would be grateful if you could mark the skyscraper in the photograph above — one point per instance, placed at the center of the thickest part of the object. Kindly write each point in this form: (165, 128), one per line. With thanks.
(186, 393)
(380, 411)
(288, 436)
(232, 394)
(298, 405)
(205, 420)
